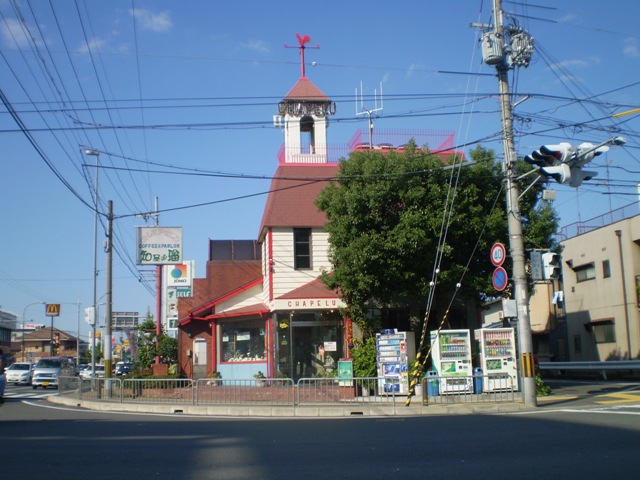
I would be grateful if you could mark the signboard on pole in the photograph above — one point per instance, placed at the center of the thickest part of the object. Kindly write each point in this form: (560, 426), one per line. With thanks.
(52, 310)
(159, 245)
(500, 279)
(180, 275)
(498, 254)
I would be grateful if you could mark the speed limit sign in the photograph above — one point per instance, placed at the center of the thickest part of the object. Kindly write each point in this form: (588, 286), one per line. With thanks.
(498, 254)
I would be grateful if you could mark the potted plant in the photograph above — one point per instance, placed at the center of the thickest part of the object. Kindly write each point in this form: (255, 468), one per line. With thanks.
(259, 379)
(216, 375)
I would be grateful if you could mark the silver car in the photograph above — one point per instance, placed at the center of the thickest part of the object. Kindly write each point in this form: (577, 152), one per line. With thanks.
(19, 372)
(48, 369)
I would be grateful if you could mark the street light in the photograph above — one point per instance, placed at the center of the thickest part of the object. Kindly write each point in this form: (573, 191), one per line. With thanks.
(96, 154)
(24, 314)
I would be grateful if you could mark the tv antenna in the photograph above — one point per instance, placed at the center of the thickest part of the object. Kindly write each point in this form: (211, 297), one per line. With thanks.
(369, 112)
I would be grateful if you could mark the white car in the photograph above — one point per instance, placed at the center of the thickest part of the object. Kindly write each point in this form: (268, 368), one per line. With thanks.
(20, 372)
(87, 373)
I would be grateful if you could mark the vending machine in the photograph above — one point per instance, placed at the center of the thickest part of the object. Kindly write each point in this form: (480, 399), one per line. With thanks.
(498, 359)
(451, 359)
(395, 351)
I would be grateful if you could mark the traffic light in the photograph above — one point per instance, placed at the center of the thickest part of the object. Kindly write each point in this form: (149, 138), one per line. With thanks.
(548, 155)
(586, 151)
(578, 175)
(560, 173)
(550, 265)
(90, 315)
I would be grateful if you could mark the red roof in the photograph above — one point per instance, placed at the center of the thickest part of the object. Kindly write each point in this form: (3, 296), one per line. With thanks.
(294, 190)
(304, 89)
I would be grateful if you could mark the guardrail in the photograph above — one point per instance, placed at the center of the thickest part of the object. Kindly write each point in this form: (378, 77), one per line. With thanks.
(285, 392)
(597, 367)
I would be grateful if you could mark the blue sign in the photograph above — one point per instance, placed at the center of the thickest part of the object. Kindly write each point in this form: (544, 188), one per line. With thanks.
(500, 279)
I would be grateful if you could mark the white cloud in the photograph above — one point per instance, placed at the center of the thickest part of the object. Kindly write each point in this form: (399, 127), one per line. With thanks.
(631, 48)
(156, 22)
(94, 45)
(255, 45)
(411, 69)
(13, 34)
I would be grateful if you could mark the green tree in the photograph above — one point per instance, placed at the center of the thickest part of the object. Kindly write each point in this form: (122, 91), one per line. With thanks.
(386, 213)
(168, 349)
(146, 342)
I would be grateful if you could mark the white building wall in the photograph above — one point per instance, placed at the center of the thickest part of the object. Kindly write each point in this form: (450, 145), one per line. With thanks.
(244, 299)
(285, 277)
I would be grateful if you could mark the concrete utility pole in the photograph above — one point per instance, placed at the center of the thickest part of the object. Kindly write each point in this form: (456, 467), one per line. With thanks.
(108, 292)
(516, 244)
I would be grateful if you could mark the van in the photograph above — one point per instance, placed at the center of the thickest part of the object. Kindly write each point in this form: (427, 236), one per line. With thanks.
(48, 369)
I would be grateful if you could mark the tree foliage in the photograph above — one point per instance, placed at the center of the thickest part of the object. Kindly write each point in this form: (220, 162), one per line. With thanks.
(146, 342)
(387, 213)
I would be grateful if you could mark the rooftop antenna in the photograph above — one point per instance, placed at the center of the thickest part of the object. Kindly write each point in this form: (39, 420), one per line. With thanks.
(370, 112)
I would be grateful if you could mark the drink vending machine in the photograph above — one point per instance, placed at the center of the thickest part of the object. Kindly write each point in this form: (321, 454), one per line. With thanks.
(498, 358)
(451, 359)
(395, 351)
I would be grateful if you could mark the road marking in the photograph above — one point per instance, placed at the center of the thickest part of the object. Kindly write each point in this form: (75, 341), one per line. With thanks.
(620, 398)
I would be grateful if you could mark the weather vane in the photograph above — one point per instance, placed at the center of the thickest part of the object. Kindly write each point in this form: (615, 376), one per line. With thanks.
(302, 41)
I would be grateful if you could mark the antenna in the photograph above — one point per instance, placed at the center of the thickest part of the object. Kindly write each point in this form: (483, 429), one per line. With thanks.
(370, 112)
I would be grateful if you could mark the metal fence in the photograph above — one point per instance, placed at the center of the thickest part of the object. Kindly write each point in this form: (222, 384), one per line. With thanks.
(285, 392)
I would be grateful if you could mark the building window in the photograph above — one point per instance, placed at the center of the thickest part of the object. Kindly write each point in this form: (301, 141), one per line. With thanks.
(577, 343)
(606, 269)
(585, 272)
(604, 332)
(243, 341)
(301, 248)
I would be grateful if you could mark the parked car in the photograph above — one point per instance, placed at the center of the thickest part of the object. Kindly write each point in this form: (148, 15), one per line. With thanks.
(48, 369)
(88, 372)
(20, 372)
(123, 368)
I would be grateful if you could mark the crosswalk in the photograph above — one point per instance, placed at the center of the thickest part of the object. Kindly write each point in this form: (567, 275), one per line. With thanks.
(24, 394)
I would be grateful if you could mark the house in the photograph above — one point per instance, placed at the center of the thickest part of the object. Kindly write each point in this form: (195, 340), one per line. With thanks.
(261, 307)
(600, 284)
(47, 341)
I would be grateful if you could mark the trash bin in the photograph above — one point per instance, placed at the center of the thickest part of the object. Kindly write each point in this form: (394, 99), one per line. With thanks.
(433, 384)
(477, 381)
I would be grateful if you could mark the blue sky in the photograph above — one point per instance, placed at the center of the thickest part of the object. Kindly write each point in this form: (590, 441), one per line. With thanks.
(191, 87)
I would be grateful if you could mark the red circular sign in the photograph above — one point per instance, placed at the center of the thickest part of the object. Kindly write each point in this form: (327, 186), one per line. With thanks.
(500, 279)
(498, 254)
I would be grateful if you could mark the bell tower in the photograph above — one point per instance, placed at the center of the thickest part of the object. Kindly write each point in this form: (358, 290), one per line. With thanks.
(303, 114)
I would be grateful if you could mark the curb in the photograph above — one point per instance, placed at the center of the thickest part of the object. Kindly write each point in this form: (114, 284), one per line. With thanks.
(268, 411)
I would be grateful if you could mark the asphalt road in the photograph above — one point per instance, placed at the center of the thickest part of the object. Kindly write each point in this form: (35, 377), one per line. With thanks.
(574, 434)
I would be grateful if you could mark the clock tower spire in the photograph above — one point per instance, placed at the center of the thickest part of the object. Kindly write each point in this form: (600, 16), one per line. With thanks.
(303, 114)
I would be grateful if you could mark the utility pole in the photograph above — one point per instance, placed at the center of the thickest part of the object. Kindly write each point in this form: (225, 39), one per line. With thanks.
(108, 292)
(516, 243)
(159, 293)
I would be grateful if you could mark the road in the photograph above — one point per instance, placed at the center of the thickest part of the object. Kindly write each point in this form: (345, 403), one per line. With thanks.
(585, 430)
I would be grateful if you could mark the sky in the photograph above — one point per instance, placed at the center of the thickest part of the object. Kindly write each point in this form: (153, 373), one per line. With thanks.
(178, 98)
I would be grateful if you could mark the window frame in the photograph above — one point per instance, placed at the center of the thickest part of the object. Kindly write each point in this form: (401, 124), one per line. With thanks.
(585, 272)
(243, 328)
(604, 332)
(301, 256)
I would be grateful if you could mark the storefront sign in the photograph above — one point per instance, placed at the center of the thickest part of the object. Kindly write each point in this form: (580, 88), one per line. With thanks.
(308, 304)
(159, 245)
(330, 346)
